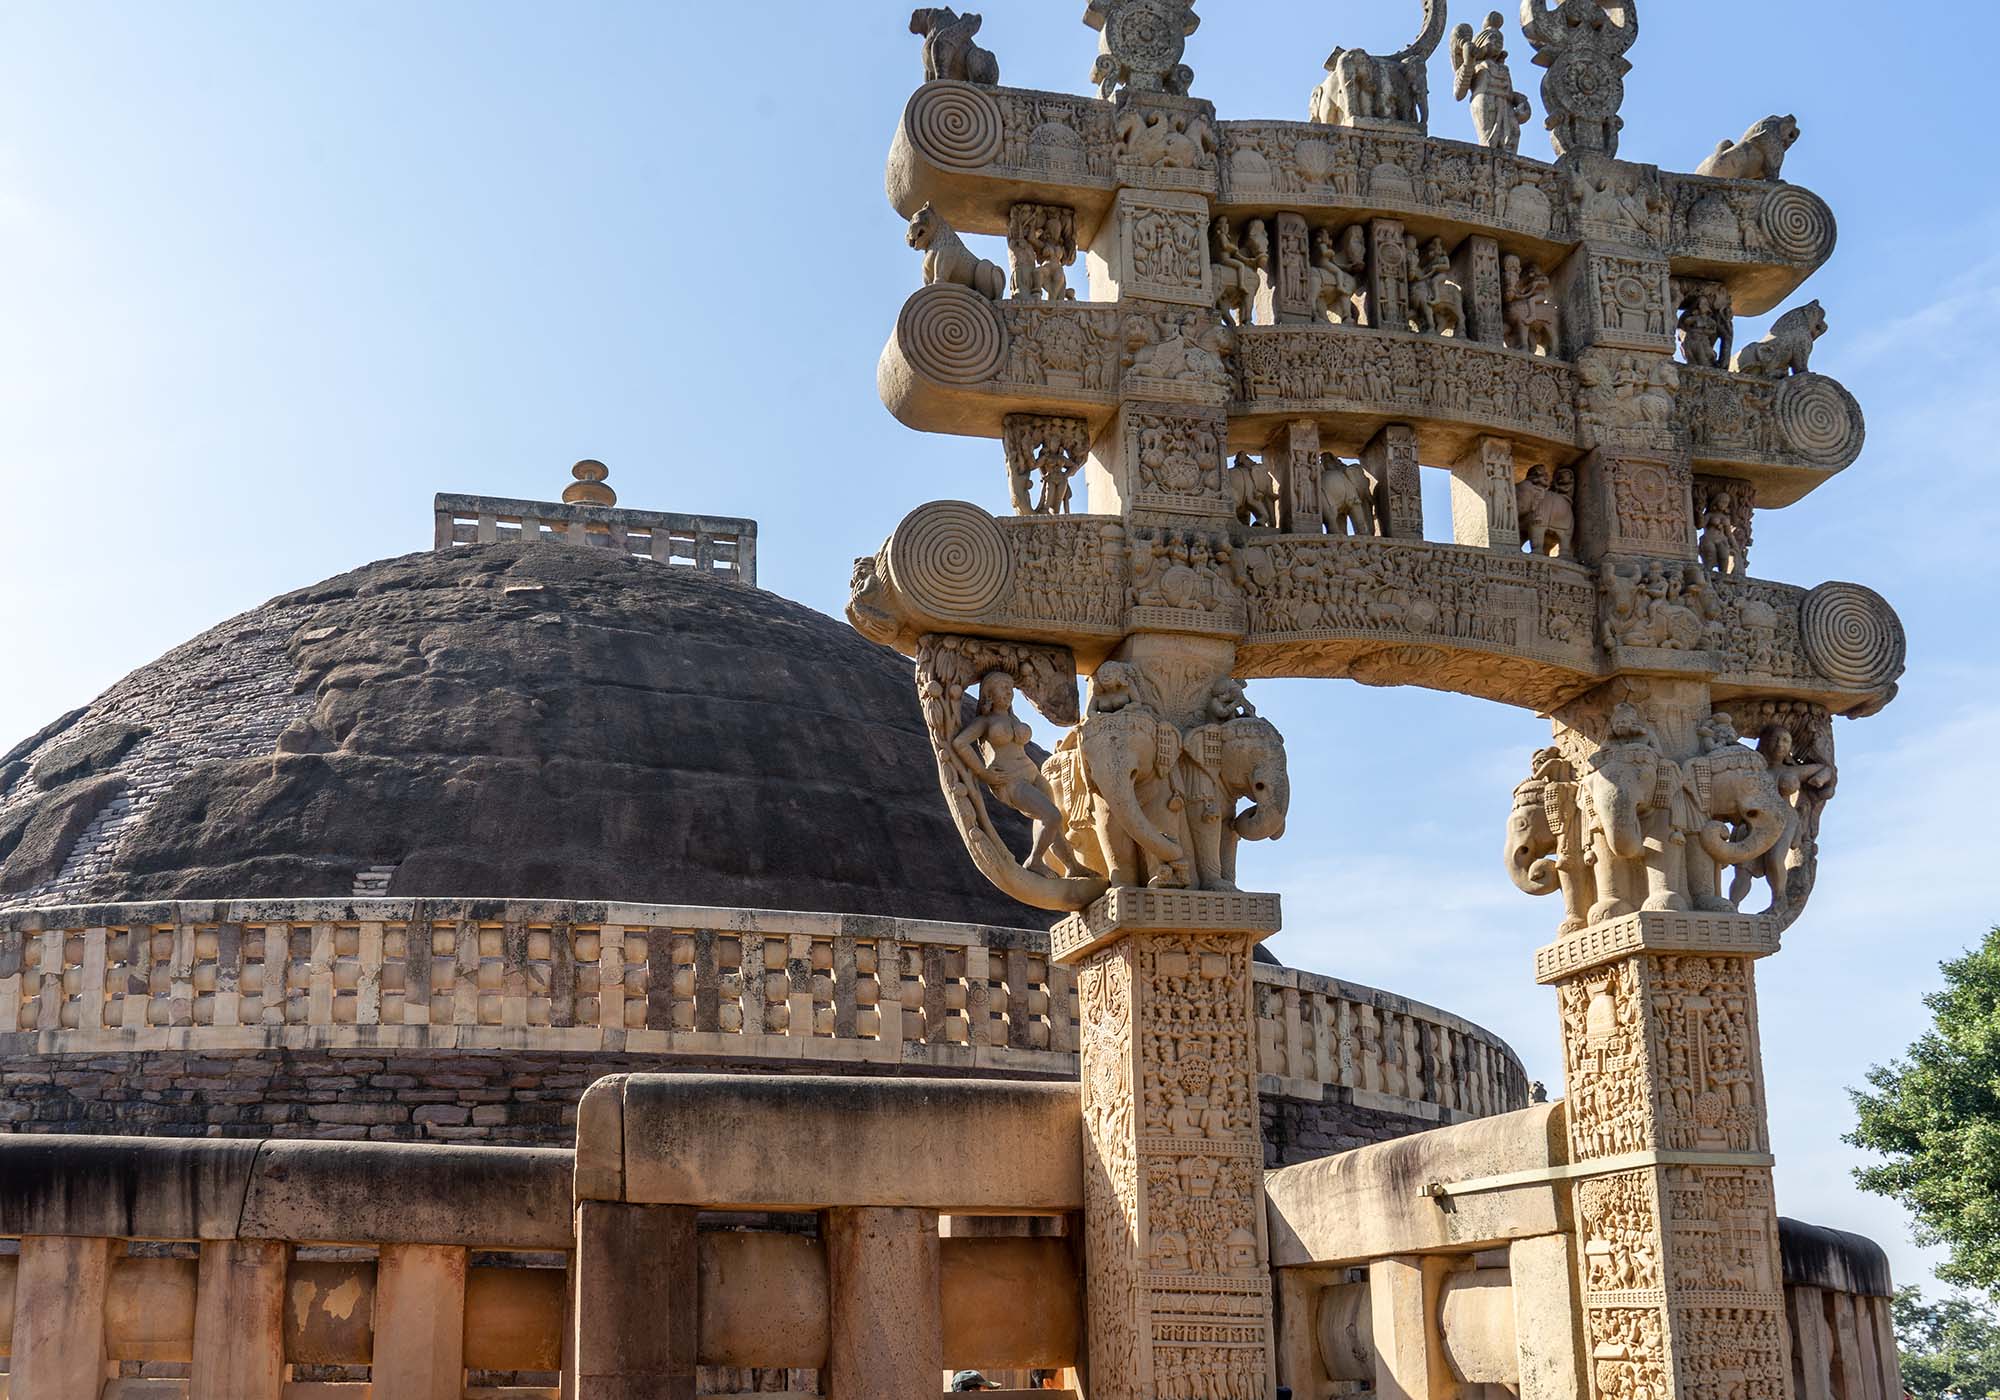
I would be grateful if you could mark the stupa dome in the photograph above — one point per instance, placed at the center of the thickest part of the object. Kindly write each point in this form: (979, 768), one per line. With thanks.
(501, 719)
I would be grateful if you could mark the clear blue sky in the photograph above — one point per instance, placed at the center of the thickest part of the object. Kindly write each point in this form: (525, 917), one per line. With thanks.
(276, 272)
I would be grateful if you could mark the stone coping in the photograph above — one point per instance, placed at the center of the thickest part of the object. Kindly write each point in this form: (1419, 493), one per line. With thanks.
(1657, 931)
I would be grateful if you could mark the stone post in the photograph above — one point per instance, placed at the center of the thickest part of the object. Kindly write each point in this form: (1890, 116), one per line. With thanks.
(1286, 298)
(635, 1312)
(239, 1320)
(1176, 1264)
(1390, 459)
(1388, 299)
(419, 1323)
(1476, 268)
(1679, 1271)
(60, 1287)
(1292, 458)
(1483, 510)
(886, 1309)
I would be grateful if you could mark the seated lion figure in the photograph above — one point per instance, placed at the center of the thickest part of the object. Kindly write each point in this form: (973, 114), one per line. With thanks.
(1787, 347)
(1760, 155)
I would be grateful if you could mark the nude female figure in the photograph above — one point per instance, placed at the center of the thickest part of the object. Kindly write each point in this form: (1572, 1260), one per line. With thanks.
(1004, 766)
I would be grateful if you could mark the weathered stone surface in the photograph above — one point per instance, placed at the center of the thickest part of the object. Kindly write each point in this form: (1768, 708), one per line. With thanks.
(509, 721)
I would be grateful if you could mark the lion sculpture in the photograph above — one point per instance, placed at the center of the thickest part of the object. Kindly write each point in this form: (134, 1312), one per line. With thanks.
(1787, 347)
(947, 259)
(1760, 155)
(948, 48)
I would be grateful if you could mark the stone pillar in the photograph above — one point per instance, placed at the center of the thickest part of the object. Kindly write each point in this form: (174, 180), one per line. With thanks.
(1634, 503)
(1483, 512)
(419, 1323)
(239, 1320)
(1476, 268)
(1176, 1264)
(59, 1293)
(635, 1315)
(1403, 1308)
(1154, 244)
(1163, 458)
(1390, 459)
(1547, 1308)
(1610, 297)
(1388, 298)
(886, 1304)
(1287, 296)
(1679, 1270)
(1292, 459)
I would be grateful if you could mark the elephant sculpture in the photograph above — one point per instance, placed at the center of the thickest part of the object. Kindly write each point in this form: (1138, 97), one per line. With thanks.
(1113, 779)
(1346, 497)
(1221, 764)
(1634, 806)
(1745, 814)
(1362, 87)
(1545, 840)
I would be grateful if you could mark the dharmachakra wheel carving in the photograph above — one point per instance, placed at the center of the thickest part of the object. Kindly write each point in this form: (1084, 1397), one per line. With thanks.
(1797, 224)
(956, 125)
(1852, 636)
(949, 559)
(953, 334)
(1819, 421)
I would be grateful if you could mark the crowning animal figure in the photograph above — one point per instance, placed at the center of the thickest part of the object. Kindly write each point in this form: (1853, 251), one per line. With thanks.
(1362, 87)
(946, 259)
(948, 48)
(1787, 348)
(1760, 155)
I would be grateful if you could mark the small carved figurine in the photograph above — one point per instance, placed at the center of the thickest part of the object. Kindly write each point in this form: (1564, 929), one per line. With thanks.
(1527, 308)
(1706, 327)
(1437, 302)
(1548, 519)
(1238, 268)
(1361, 87)
(947, 259)
(1787, 348)
(948, 48)
(1339, 265)
(1346, 497)
(1250, 491)
(1057, 466)
(1479, 68)
(1041, 243)
(1760, 155)
(1717, 545)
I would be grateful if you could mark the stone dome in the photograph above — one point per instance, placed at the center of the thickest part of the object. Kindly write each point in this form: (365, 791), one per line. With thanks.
(501, 720)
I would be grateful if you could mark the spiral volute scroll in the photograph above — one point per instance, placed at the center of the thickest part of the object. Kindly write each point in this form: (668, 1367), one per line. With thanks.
(1852, 636)
(956, 125)
(953, 335)
(949, 561)
(1818, 421)
(1797, 224)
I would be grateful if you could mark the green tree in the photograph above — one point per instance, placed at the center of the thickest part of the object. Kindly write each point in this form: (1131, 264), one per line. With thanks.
(1951, 1349)
(1935, 1115)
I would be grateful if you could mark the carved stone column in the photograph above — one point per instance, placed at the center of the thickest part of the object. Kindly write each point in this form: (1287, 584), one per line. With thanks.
(1476, 268)
(1388, 300)
(1390, 459)
(1287, 295)
(1178, 1278)
(1679, 1235)
(1483, 507)
(1292, 458)
(1153, 245)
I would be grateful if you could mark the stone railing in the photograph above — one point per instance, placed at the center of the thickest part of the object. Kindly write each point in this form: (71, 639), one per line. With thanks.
(824, 989)
(720, 545)
(135, 1267)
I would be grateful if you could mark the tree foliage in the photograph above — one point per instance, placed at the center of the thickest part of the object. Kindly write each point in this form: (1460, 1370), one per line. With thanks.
(1935, 1116)
(1951, 1349)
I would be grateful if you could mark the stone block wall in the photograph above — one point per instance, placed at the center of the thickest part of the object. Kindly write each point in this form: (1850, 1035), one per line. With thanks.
(1296, 1131)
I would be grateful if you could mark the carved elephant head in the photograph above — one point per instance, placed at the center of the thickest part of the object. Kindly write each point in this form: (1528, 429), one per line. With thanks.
(1127, 758)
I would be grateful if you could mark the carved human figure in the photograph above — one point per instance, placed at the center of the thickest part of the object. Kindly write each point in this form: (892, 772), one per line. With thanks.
(1786, 348)
(1437, 302)
(1346, 497)
(1706, 327)
(1803, 786)
(1760, 155)
(1251, 492)
(994, 748)
(1041, 244)
(1636, 819)
(1339, 274)
(948, 48)
(1479, 69)
(1527, 309)
(948, 260)
(1545, 848)
(1057, 466)
(1717, 543)
(1734, 796)
(1546, 513)
(1238, 266)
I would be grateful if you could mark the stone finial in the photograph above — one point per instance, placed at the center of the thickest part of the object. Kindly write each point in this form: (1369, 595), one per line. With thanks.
(589, 488)
(1140, 44)
(1582, 43)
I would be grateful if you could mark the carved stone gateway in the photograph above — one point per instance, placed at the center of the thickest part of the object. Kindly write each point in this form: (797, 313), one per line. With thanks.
(1285, 324)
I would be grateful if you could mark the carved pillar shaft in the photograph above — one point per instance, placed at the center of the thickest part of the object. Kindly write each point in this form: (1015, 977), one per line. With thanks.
(1287, 296)
(1679, 1261)
(1483, 508)
(1179, 1284)
(1388, 276)
(1292, 458)
(1390, 459)
(1476, 268)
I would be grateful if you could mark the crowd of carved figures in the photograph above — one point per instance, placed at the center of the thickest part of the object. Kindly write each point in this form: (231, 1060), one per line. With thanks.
(1621, 827)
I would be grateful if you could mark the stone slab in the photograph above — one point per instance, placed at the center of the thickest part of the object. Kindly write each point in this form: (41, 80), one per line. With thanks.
(1732, 935)
(1126, 910)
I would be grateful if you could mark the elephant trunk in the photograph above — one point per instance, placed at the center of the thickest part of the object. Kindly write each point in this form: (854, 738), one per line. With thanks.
(1622, 830)
(1762, 828)
(1120, 796)
(1265, 819)
(1533, 869)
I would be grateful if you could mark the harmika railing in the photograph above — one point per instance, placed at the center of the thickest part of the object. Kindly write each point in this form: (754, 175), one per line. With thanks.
(724, 546)
(703, 983)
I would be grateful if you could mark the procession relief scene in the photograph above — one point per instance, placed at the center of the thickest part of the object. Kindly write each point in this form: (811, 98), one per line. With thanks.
(1216, 357)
